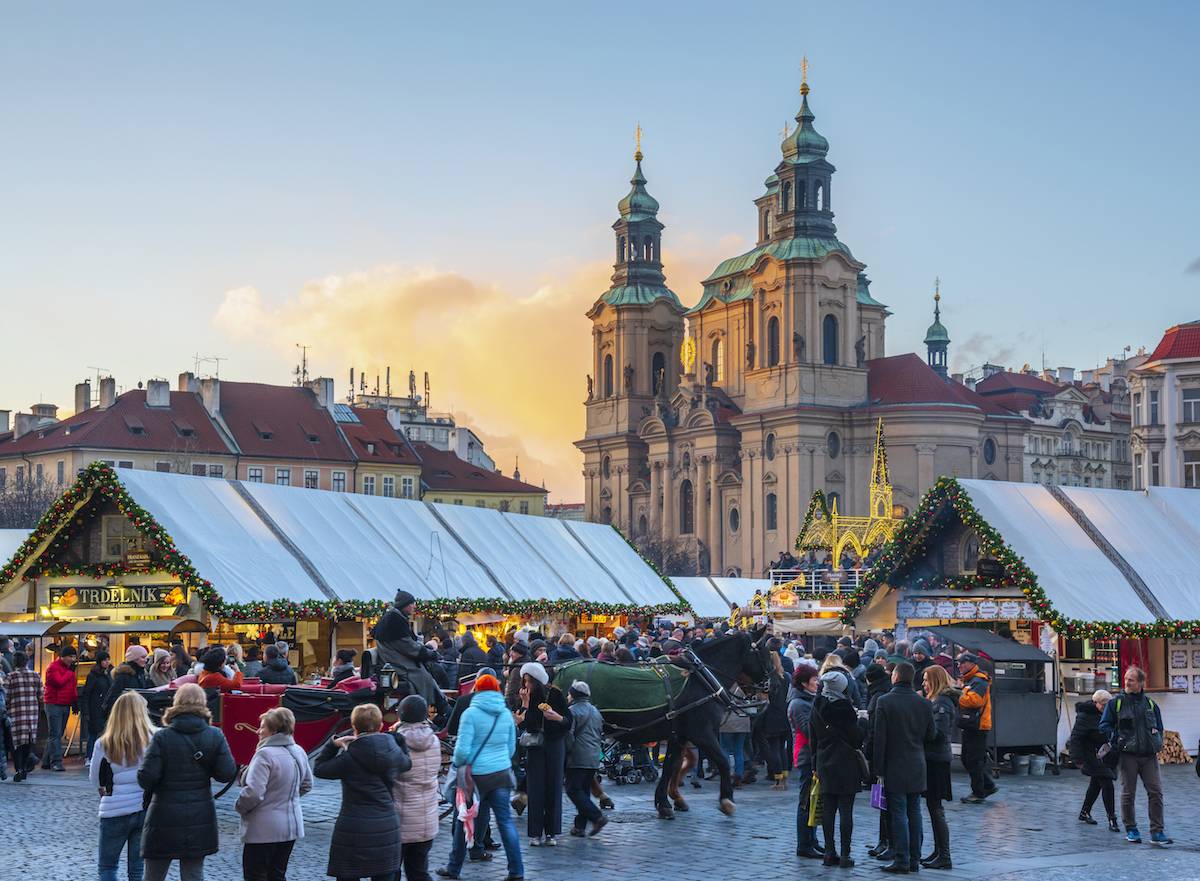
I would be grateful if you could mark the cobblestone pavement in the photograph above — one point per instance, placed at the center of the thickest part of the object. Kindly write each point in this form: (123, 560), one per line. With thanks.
(1028, 831)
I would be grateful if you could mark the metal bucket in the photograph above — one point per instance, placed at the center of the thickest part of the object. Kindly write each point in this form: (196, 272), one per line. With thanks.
(1037, 766)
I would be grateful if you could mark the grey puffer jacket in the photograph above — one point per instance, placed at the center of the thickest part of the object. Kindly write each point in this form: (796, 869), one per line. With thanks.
(588, 726)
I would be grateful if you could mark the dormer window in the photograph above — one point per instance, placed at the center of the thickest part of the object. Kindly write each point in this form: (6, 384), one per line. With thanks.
(310, 436)
(135, 425)
(370, 445)
(264, 431)
(183, 429)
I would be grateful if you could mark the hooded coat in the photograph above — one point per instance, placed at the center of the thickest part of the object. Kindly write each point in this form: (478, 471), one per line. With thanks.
(1086, 738)
(128, 675)
(398, 646)
(416, 791)
(277, 671)
(835, 737)
(366, 836)
(181, 822)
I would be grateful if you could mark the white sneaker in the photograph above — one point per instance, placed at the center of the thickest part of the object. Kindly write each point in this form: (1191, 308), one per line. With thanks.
(550, 841)
(535, 841)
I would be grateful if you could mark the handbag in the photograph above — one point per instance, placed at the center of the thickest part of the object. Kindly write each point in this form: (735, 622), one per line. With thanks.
(532, 738)
(465, 781)
(814, 802)
(878, 797)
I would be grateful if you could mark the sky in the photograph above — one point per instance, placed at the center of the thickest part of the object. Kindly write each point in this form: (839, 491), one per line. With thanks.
(431, 187)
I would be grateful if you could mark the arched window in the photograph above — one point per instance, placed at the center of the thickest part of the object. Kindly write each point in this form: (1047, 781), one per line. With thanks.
(621, 249)
(608, 376)
(658, 371)
(829, 340)
(831, 498)
(718, 360)
(989, 451)
(642, 525)
(686, 503)
(801, 194)
(820, 200)
(606, 514)
(769, 447)
(646, 249)
(773, 342)
(735, 521)
(833, 445)
(606, 467)
(772, 512)
(786, 197)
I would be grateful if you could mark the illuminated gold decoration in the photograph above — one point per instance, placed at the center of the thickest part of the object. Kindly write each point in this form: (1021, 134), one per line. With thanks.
(637, 137)
(804, 75)
(687, 355)
(835, 532)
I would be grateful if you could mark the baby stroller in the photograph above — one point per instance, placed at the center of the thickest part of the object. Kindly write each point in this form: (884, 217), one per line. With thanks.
(626, 764)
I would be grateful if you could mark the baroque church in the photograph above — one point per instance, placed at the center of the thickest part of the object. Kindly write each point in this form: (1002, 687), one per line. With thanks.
(711, 426)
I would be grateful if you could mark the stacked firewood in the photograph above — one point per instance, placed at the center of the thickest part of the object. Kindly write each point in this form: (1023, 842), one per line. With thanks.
(1173, 752)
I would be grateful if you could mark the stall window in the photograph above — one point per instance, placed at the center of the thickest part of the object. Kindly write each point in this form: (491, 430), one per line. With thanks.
(120, 537)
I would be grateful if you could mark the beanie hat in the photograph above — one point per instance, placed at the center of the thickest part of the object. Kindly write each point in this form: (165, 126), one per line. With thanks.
(487, 683)
(136, 653)
(967, 659)
(834, 685)
(404, 598)
(536, 672)
(921, 646)
(414, 709)
(852, 659)
(881, 655)
(581, 688)
(870, 647)
(486, 671)
(159, 654)
(592, 642)
(68, 651)
(875, 673)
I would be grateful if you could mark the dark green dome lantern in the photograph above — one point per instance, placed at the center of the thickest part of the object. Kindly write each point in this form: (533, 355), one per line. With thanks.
(937, 338)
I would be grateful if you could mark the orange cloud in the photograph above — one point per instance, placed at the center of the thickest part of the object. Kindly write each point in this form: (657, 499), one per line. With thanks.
(511, 367)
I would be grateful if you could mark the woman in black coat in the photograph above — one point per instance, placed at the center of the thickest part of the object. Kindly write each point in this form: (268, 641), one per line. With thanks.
(543, 716)
(181, 761)
(836, 736)
(366, 836)
(91, 698)
(1086, 739)
(938, 756)
(878, 684)
(775, 728)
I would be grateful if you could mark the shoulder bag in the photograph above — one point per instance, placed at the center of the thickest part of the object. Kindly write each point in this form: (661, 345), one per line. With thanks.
(466, 781)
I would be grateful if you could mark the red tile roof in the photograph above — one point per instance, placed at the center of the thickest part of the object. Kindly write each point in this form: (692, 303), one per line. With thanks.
(128, 424)
(280, 422)
(445, 472)
(1005, 381)
(374, 440)
(908, 380)
(1180, 341)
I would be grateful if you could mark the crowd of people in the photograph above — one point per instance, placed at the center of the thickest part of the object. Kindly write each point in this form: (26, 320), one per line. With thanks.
(872, 714)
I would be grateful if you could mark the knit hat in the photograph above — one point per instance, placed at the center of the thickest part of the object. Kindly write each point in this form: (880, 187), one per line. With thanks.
(536, 672)
(487, 683)
(852, 659)
(922, 647)
(618, 632)
(581, 688)
(403, 598)
(159, 654)
(834, 685)
(870, 647)
(136, 653)
(518, 648)
(966, 659)
(881, 655)
(875, 673)
(414, 709)
(592, 642)
(486, 671)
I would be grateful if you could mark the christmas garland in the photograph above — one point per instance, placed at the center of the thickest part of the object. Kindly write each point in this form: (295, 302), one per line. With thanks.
(816, 503)
(933, 516)
(62, 519)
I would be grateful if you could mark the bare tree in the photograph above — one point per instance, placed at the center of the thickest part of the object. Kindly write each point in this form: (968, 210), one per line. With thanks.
(671, 556)
(22, 506)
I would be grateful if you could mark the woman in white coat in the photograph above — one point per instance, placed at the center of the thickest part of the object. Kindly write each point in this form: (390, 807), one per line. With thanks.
(114, 772)
(269, 803)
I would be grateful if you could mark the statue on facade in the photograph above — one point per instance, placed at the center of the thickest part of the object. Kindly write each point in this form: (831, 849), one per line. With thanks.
(660, 383)
(591, 387)
(860, 350)
(628, 377)
(750, 354)
(797, 345)
(708, 373)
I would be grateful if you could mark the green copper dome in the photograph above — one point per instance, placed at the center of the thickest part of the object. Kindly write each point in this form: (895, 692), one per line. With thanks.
(805, 144)
(638, 204)
(937, 333)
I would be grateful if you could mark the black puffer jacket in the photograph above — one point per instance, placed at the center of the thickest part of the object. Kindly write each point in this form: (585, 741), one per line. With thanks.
(835, 736)
(92, 695)
(182, 820)
(1086, 738)
(774, 717)
(277, 672)
(366, 836)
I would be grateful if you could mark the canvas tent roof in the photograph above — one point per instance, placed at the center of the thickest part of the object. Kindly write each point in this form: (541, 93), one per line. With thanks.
(1099, 555)
(261, 543)
(703, 596)
(10, 540)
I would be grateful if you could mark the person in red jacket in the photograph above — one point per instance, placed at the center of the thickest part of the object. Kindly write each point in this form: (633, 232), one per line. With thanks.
(61, 698)
(216, 674)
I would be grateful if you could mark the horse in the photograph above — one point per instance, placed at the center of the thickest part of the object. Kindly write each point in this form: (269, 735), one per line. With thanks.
(693, 715)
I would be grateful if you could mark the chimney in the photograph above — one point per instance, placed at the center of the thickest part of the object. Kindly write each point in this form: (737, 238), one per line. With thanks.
(4, 423)
(83, 396)
(26, 422)
(991, 370)
(108, 392)
(970, 383)
(158, 393)
(1066, 375)
(45, 411)
(957, 377)
(210, 394)
(1088, 377)
(188, 383)
(322, 387)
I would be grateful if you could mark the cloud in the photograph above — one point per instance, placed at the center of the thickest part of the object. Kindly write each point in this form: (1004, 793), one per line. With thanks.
(511, 367)
(979, 349)
(1194, 266)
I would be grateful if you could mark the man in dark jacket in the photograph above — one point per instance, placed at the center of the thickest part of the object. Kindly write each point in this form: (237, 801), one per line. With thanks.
(276, 671)
(1133, 724)
(878, 684)
(495, 654)
(91, 699)
(397, 645)
(472, 657)
(131, 674)
(903, 726)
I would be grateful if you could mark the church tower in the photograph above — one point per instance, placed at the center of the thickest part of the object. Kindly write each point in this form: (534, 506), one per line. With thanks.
(937, 338)
(803, 179)
(637, 329)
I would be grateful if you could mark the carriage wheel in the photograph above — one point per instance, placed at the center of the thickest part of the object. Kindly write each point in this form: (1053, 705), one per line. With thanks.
(650, 774)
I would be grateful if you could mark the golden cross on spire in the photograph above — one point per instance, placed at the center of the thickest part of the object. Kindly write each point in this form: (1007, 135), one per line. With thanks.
(937, 288)
(786, 130)
(637, 137)
(804, 75)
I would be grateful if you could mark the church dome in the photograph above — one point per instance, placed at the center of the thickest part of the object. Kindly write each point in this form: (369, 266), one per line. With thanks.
(638, 204)
(805, 144)
(937, 333)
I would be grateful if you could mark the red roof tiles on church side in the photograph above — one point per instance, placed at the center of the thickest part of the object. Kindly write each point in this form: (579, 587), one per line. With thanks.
(1180, 341)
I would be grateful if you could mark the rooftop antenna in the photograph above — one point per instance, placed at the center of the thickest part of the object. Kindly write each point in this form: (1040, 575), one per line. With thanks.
(427, 389)
(388, 387)
(350, 394)
(377, 385)
(99, 371)
(301, 370)
(362, 382)
(412, 385)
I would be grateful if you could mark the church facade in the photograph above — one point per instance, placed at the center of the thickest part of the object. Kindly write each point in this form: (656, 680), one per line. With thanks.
(711, 426)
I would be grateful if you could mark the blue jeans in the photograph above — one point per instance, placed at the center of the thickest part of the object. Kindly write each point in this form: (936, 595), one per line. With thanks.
(56, 724)
(904, 812)
(117, 833)
(498, 801)
(733, 743)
